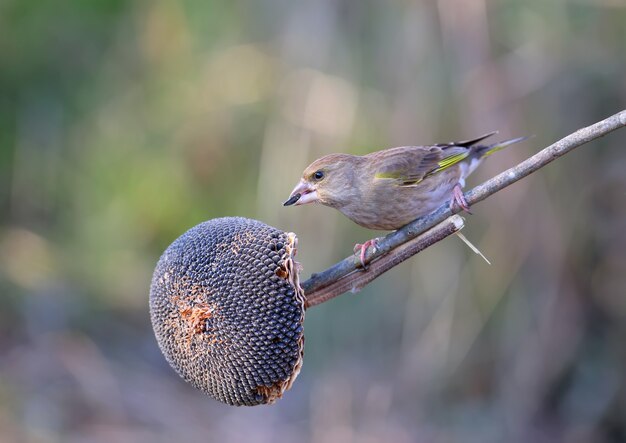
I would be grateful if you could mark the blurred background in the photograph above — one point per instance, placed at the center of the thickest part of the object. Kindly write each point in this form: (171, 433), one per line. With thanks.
(123, 124)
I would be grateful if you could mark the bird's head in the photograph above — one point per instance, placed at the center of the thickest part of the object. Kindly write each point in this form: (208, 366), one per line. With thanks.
(328, 180)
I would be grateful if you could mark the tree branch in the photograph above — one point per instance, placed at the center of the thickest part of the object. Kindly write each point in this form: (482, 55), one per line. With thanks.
(355, 281)
(413, 238)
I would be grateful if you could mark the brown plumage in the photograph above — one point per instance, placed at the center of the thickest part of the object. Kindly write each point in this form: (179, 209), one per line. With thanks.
(388, 189)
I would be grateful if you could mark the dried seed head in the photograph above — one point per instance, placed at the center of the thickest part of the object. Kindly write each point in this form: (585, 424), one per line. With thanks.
(227, 310)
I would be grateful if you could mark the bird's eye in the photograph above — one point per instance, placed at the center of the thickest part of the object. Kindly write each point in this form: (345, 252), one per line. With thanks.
(318, 175)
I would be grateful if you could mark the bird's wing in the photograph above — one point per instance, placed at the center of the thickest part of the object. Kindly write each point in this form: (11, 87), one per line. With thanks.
(409, 165)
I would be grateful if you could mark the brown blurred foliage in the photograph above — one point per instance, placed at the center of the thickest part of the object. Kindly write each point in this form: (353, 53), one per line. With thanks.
(122, 124)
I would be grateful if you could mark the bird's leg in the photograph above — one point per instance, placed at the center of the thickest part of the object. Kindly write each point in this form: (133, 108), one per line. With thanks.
(459, 199)
(363, 248)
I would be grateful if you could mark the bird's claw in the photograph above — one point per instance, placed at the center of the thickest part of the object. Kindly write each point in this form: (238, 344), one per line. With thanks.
(363, 250)
(459, 199)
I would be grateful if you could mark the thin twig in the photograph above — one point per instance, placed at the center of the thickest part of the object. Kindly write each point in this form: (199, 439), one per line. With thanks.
(355, 281)
(341, 277)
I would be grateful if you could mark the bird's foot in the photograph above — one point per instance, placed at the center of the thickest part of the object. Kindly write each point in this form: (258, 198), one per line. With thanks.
(363, 250)
(459, 199)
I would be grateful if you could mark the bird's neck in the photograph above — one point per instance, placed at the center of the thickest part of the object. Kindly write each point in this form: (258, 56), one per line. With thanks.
(352, 189)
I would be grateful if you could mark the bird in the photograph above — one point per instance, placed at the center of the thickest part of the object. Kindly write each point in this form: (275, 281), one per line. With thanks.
(387, 189)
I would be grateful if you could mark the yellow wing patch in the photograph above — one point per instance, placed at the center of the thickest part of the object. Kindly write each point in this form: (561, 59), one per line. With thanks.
(449, 161)
(386, 175)
(394, 176)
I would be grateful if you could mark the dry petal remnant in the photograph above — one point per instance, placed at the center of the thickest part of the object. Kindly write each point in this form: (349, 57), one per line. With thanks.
(227, 310)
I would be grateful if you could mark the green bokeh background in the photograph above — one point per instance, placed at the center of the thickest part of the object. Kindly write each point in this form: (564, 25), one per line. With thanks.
(123, 124)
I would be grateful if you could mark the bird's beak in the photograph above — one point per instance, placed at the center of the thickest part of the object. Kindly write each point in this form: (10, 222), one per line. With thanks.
(302, 194)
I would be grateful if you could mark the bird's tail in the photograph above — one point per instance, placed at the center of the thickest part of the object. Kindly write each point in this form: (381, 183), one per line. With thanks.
(486, 150)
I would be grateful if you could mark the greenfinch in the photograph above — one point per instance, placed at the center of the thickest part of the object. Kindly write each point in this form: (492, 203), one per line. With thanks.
(387, 189)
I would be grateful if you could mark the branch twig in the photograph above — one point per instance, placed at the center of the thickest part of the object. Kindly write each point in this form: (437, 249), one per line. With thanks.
(354, 282)
(401, 244)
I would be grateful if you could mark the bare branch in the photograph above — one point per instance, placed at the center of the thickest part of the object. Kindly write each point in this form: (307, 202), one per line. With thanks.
(342, 277)
(355, 281)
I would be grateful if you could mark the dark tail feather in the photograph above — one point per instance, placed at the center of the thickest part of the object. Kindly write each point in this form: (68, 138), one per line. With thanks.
(468, 143)
(484, 151)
